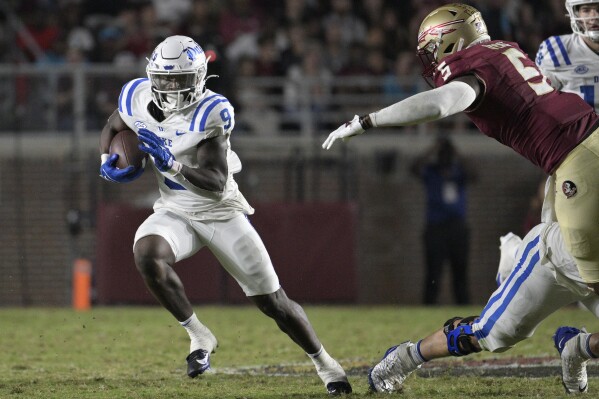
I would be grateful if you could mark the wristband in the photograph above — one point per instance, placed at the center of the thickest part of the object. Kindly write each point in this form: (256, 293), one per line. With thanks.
(104, 158)
(175, 169)
(365, 122)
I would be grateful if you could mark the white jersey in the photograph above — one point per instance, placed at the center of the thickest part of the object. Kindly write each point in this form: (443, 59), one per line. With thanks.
(181, 133)
(571, 66)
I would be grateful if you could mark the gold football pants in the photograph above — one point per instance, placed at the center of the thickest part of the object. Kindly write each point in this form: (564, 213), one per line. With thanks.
(577, 205)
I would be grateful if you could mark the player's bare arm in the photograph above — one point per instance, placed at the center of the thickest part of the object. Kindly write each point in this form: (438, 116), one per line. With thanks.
(208, 178)
(114, 125)
(212, 172)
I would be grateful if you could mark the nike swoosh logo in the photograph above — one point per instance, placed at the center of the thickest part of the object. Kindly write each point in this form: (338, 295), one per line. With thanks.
(202, 361)
(179, 133)
(559, 344)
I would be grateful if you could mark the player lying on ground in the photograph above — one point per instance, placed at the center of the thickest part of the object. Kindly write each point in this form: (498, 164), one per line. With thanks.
(185, 128)
(537, 277)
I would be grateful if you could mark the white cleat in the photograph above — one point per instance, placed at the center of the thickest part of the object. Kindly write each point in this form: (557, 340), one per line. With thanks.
(389, 374)
(334, 379)
(568, 341)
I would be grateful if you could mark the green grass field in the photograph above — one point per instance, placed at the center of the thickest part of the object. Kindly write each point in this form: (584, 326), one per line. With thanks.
(139, 352)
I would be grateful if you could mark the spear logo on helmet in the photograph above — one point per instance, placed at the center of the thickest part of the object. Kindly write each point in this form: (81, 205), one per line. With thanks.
(438, 30)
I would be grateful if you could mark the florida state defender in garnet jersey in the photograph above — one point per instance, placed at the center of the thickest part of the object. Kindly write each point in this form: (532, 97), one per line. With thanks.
(518, 107)
(509, 99)
(504, 93)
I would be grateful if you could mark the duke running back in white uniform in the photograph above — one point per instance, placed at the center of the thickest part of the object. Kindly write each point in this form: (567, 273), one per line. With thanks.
(181, 132)
(186, 129)
(537, 276)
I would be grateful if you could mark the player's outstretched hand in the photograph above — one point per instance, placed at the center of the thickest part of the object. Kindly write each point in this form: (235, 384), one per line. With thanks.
(345, 132)
(163, 159)
(109, 171)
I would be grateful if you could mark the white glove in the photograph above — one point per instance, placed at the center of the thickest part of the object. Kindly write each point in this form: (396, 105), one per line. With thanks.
(345, 132)
(508, 248)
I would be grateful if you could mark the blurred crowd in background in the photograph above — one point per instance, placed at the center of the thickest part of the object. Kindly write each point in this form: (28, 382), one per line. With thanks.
(290, 39)
(274, 36)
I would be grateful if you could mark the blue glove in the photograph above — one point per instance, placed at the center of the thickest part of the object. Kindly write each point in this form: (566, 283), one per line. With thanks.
(110, 172)
(163, 159)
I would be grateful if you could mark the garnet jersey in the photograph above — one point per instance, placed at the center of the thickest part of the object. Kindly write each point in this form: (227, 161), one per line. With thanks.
(519, 108)
(571, 66)
(181, 133)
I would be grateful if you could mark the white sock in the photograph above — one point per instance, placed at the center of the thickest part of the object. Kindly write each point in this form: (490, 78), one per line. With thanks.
(317, 355)
(416, 355)
(327, 368)
(585, 350)
(201, 337)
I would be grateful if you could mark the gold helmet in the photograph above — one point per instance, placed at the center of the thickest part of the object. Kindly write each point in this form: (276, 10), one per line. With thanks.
(447, 30)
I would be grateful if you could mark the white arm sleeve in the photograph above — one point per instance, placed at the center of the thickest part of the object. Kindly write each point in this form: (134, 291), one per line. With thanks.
(454, 97)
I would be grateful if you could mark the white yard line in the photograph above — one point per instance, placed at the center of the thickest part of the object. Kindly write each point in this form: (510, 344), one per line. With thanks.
(500, 367)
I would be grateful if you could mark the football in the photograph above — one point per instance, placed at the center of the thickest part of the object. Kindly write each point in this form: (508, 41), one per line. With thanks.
(125, 144)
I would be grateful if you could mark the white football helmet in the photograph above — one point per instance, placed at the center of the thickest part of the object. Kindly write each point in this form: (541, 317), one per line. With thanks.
(587, 26)
(177, 71)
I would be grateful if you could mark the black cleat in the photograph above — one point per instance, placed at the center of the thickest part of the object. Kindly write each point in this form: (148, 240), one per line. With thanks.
(338, 388)
(198, 361)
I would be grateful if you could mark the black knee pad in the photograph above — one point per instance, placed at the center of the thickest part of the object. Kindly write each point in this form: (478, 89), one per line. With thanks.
(458, 337)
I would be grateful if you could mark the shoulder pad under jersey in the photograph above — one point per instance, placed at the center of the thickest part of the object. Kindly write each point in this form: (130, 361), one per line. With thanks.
(554, 52)
(214, 115)
(134, 94)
